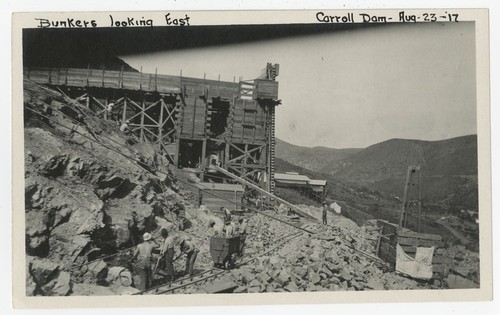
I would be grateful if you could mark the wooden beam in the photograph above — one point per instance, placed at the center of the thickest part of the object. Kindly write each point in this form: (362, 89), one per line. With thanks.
(124, 113)
(262, 191)
(99, 103)
(194, 117)
(176, 156)
(141, 136)
(160, 122)
(140, 80)
(203, 157)
(170, 114)
(140, 108)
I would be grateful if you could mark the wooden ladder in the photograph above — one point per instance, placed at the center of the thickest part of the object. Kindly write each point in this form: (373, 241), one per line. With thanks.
(272, 148)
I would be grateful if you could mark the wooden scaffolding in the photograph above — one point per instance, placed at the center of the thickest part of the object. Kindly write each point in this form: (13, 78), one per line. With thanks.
(191, 119)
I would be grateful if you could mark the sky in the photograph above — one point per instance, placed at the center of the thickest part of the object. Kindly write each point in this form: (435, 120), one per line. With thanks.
(351, 88)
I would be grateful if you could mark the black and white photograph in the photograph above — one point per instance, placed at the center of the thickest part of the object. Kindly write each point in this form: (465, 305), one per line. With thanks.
(335, 153)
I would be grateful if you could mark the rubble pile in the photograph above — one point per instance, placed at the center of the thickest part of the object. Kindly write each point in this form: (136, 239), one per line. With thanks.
(316, 263)
(466, 263)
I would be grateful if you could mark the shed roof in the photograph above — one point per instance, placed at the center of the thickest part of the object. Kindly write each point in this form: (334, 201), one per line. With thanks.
(317, 182)
(293, 177)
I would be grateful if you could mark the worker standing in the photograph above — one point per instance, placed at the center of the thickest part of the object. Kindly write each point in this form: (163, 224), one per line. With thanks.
(144, 255)
(216, 230)
(227, 214)
(133, 229)
(229, 229)
(242, 231)
(187, 247)
(167, 254)
(325, 213)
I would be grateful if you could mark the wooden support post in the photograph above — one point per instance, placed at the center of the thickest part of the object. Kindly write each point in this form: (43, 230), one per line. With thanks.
(156, 75)
(106, 108)
(204, 79)
(177, 147)
(379, 240)
(124, 115)
(88, 100)
(218, 88)
(245, 160)
(203, 158)
(226, 156)
(402, 217)
(102, 79)
(235, 200)
(160, 122)
(66, 78)
(88, 73)
(140, 80)
(120, 78)
(141, 136)
(194, 118)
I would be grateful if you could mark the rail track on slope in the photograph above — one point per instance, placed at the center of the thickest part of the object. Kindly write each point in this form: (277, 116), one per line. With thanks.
(204, 276)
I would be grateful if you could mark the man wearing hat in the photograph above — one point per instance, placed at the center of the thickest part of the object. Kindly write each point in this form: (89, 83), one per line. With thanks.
(144, 255)
(325, 212)
(187, 247)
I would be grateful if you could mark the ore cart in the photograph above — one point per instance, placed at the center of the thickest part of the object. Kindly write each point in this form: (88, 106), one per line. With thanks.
(224, 250)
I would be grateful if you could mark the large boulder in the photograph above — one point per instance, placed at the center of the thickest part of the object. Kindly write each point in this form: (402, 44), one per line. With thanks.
(98, 269)
(61, 286)
(43, 270)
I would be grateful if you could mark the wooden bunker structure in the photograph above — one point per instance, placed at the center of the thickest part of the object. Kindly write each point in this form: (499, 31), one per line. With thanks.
(195, 121)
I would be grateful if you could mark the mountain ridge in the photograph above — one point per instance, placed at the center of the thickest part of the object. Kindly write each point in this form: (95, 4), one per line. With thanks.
(448, 167)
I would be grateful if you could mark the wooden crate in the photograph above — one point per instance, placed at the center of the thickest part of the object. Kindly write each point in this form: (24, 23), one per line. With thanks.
(409, 241)
(266, 89)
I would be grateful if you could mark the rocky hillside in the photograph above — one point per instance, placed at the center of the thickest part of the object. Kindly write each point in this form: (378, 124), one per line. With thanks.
(80, 192)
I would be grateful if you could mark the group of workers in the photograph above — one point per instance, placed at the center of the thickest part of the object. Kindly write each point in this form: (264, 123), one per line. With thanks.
(143, 253)
(164, 265)
(231, 229)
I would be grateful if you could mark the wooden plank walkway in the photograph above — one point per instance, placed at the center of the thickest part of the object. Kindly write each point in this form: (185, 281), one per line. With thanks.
(135, 81)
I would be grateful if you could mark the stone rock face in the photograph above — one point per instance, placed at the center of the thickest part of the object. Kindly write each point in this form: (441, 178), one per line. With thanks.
(63, 285)
(45, 278)
(99, 269)
(42, 270)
